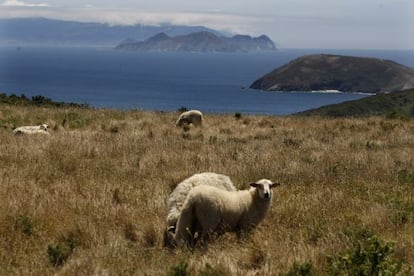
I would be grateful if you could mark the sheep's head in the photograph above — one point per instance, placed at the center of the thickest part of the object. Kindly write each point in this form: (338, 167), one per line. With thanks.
(44, 127)
(183, 120)
(264, 188)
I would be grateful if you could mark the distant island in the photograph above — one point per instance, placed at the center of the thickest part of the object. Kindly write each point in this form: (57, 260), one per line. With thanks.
(203, 41)
(338, 73)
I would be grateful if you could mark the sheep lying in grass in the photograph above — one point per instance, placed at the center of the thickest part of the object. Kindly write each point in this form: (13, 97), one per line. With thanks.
(194, 117)
(40, 129)
(208, 210)
(178, 196)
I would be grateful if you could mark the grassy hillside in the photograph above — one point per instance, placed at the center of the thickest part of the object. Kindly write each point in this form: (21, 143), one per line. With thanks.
(398, 104)
(91, 199)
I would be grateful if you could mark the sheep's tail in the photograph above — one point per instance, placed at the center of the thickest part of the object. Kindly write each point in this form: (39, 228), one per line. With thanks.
(185, 226)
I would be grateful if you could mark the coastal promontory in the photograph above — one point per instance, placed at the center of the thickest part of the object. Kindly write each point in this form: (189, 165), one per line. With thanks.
(325, 72)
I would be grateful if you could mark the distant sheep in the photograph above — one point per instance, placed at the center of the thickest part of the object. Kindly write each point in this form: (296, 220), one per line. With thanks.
(208, 210)
(178, 196)
(194, 117)
(40, 129)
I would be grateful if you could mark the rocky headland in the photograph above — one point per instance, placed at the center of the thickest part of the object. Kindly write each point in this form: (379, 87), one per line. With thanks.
(338, 73)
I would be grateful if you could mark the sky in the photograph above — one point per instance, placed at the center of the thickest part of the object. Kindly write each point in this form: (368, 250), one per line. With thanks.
(322, 24)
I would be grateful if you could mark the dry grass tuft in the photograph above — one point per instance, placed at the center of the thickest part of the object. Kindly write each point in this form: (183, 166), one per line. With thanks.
(92, 197)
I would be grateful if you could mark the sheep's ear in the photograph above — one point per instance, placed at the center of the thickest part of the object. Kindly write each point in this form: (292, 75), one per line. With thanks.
(274, 184)
(254, 184)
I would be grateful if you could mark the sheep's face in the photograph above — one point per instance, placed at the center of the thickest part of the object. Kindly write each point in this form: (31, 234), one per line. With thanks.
(264, 188)
(183, 120)
(44, 127)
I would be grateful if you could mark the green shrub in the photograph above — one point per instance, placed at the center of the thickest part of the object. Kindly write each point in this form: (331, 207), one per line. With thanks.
(237, 115)
(41, 100)
(405, 176)
(371, 256)
(403, 211)
(182, 109)
(397, 115)
(58, 254)
(37, 100)
(180, 269)
(24, 224)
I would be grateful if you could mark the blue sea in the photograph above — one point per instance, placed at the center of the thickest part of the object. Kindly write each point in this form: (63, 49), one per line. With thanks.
(213, 83)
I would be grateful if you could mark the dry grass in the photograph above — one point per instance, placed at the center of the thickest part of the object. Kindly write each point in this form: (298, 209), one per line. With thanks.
(98, 186)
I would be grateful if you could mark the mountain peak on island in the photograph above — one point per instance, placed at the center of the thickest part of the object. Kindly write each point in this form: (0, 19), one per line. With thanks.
(202, 41)
(158, 37)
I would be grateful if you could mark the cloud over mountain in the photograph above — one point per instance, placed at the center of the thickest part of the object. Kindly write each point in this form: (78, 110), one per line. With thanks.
(17, 3)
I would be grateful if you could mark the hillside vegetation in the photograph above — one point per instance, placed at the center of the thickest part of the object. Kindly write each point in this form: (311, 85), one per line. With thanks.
(38, 100)
(91, 199)
(398, 104)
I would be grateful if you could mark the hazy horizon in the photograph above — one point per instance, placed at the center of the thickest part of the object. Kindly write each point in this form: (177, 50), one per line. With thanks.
(372, 24)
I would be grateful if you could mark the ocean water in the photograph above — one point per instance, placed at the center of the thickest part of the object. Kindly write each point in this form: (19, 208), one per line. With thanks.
(103, 77)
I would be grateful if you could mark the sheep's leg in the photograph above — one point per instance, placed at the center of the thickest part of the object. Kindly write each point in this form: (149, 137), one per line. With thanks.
(184, 232)
(194, 233)
(243, 233)
(168, 240)
(204, 239)
(197, 230)
(208, 230)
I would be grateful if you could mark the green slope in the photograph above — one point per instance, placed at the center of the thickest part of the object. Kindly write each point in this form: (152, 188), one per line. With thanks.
(398, 104)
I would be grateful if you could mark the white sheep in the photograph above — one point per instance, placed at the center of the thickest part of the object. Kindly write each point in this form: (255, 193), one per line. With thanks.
(194, 117)
(208, 210)
(40, 129)
(178, 196)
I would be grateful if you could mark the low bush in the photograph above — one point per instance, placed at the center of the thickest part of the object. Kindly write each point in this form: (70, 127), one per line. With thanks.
(370, 256)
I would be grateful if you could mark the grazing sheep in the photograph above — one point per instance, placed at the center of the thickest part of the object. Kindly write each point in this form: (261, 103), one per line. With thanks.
(208, 210)
(194, 117)
(178, 196)
(40, 129)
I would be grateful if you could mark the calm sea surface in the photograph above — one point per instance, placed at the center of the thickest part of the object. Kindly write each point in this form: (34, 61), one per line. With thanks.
(103, 77)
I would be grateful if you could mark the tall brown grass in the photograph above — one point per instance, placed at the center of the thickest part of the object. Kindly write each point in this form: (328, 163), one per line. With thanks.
(95, 192)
